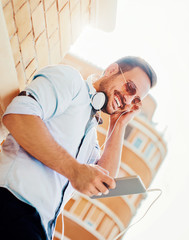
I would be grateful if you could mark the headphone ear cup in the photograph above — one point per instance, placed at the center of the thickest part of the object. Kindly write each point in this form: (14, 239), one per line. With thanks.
(98, 100)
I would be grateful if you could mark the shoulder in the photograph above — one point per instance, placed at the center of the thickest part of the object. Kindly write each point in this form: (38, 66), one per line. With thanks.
(62, 76)
(59, 72)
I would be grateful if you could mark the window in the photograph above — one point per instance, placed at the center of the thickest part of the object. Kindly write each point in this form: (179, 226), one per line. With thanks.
(80, 207)
(94, 217)
(149, 150)
(115, 231)
(69, 204)
(139, 141)
(106, 226)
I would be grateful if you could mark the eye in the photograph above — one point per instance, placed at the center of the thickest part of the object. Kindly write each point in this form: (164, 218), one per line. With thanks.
(130, 88)
(136, 100)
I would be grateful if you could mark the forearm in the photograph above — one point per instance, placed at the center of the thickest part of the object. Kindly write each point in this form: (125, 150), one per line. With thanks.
(111, 157)
(32, 134)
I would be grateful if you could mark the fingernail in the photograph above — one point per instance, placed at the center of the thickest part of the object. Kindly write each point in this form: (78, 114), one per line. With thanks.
(107, 191)
(99, 194)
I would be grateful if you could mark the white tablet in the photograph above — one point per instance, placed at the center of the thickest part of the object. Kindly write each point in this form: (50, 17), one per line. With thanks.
(125, 186)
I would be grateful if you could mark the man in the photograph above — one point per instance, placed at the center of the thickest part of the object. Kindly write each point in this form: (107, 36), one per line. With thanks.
(52, 147)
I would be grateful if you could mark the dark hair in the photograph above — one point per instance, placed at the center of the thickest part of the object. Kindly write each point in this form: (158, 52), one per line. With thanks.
(130, 62)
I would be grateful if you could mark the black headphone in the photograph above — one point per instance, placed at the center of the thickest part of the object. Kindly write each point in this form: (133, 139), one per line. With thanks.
(98, 100)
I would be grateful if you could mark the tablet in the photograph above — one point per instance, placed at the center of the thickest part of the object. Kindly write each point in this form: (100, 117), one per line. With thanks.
(125, 186)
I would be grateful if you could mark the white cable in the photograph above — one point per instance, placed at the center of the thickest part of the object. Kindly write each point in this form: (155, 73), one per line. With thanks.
(62, 236)
(149, 190)
(110, 133)
(112, 130)
(96, 157)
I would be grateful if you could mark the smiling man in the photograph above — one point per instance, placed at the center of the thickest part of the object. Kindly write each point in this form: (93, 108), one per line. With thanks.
(125, 83)
(52, 149)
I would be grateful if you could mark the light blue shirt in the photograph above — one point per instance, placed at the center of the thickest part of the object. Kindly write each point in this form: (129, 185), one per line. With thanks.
(63, 103)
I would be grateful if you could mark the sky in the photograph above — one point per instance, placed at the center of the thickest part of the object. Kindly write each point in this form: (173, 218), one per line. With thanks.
(157, 31)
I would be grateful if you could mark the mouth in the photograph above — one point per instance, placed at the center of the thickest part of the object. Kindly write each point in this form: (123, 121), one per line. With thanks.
(118, 101)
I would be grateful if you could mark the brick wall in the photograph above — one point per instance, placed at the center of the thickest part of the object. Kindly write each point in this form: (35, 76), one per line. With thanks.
(42, 31)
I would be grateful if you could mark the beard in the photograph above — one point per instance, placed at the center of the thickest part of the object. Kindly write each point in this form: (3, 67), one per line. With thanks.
(108, 87)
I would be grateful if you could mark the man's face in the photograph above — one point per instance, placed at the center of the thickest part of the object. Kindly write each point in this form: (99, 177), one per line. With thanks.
(119, 99)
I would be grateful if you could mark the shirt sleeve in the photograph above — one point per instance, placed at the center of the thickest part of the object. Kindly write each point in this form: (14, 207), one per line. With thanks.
(95, 153)
(53, 95)
(95, 156)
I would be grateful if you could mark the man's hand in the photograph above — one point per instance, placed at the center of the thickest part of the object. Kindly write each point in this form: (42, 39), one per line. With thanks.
(90, 179)
(125, 117)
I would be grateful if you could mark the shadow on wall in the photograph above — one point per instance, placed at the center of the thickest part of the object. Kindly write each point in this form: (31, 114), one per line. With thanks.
(3, 133)
(3, 130)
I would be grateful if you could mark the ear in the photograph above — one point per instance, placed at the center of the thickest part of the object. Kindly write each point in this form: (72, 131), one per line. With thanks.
(111, 70)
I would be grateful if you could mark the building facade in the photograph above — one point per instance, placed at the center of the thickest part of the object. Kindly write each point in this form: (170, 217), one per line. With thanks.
(35, 33)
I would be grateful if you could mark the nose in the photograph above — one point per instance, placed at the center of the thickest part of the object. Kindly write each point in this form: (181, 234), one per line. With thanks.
(128, 99)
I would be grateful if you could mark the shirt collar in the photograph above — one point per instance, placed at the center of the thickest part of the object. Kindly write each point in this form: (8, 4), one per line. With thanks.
(92, 91)
(90, 87)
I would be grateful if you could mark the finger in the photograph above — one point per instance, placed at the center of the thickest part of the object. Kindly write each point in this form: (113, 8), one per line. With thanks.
(103, 188)
(134, 111)
(95, 191)
(136, 106)
(90, 193)
(109, 181)
(99, 194)
(137, 110)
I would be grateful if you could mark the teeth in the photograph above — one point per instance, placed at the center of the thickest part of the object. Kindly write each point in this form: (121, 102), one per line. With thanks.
(117, 101)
